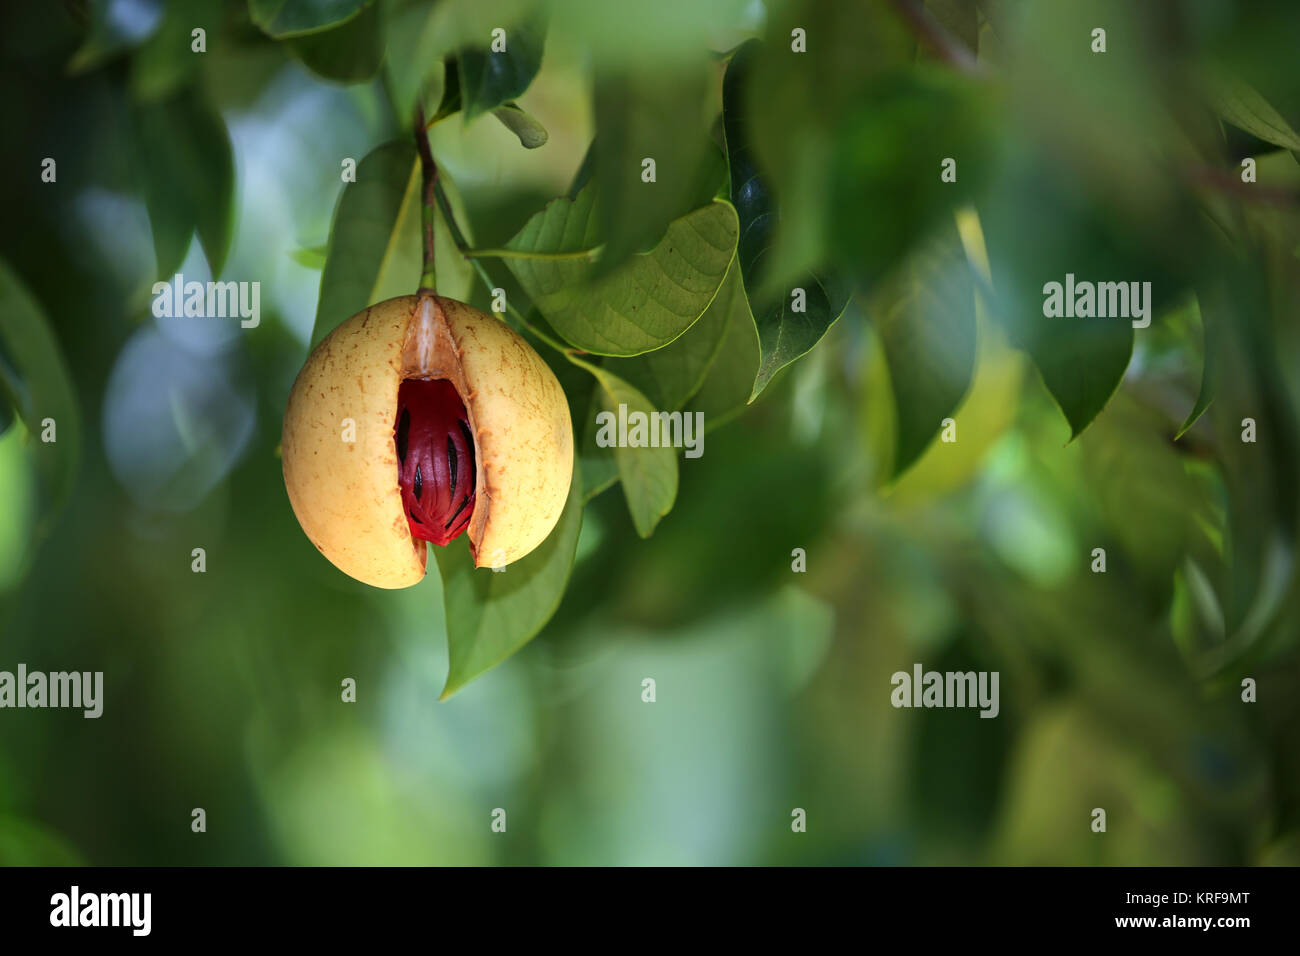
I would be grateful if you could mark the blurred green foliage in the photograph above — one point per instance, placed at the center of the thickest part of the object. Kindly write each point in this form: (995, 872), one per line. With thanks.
(1119, 690)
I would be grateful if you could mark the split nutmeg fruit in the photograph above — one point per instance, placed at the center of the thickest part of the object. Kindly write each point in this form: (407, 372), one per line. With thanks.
(459, 427)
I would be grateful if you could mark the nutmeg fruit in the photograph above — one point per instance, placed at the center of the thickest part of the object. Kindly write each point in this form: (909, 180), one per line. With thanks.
(457, 425)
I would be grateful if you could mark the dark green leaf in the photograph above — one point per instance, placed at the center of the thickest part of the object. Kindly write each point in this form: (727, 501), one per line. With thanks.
(348, 53)
(489, 79)
(796, 105)
(642, 305)
(664, 117)
(491, 614)
(730, 380)
(189, 178)
(783, 333)
(291, 18)
(167, 61)
(1041, 229)
(374, 251)
(925, 316)
(35, 383)
(885, 192)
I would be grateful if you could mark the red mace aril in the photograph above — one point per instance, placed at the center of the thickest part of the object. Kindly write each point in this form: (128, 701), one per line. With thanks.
(435, 459)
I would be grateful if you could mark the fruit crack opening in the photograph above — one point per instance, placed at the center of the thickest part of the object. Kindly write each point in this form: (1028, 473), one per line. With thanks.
(435, 459)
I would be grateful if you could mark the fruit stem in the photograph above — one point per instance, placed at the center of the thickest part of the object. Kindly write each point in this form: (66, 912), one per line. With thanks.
(462, 245)
(429, 178)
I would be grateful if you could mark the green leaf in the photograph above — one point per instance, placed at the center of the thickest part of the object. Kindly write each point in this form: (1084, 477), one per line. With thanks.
(643, 304)
(796, 105)
(648, 475)
(530, 132)
(665, 117)
(599, 469)
(1041, 228)
(291, 18)
(310, 257)
(1244, 107)
(881, 202)
(489, 79)
(491, 614)
(1082, 362)
(1209, 369)
(926, 321)
(348, 53)
(166, 61)
(414, 67)
(671, 375)
(35, 383)
(725, 391)
(188, 172)
(374, 250)
(783, 334)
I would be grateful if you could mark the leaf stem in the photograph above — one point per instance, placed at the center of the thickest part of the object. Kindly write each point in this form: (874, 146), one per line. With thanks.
(429, 177)
(524, 254)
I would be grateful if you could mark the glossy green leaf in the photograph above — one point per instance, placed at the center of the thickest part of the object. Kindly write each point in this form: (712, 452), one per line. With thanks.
(648, 474)
(491, 614)
(784, 334)
(291, 18)
(35, 383)
(643, 304)
(925, 316)
(488, 79)
(188, 174)
(374, 250)
(348, 53)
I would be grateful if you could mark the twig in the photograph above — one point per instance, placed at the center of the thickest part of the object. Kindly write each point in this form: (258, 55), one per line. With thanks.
(936, 36)
(1229, 183)
(429, 177)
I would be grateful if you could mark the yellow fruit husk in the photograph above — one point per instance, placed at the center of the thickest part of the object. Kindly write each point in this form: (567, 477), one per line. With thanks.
(346, 494)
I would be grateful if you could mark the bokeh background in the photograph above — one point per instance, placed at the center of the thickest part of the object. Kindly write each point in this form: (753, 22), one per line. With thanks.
(222, 690)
